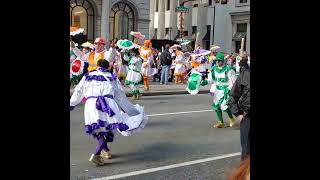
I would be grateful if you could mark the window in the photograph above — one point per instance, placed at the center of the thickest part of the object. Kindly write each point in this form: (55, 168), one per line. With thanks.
(243, 1)
(157, 5)
(194, 29)
(210, 2)
(195, 5)
(168, 5)
(242, 27)
(121, 21)
(167, 31)
(155, 33)
(238, 45)
(82, 15)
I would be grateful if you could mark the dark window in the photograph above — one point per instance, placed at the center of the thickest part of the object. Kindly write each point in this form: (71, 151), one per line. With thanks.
(194, 29)
(195, 5)
(242, 27)
(157, 5)
(210, 2)
(167, 31)
(243, 1)
(168, 5)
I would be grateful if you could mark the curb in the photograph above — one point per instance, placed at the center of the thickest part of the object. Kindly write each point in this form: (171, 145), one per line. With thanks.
(158, 93)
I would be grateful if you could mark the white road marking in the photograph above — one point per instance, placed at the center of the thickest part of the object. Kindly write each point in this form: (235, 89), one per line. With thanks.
(186, 112)
(169, 166)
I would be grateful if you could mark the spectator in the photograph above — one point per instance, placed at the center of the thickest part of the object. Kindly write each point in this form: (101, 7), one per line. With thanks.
(166, 61)
(240, 105)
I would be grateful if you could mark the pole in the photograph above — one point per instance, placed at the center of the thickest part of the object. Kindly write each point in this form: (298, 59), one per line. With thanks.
(214, 21)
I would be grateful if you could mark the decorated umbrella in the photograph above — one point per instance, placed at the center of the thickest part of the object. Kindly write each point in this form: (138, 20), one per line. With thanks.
(214, 47)
(125, 44)
(78, 67)
(137, 35)
(194, 81)
(201, 52)
(75, 30)
(175, 46)
(87, 44)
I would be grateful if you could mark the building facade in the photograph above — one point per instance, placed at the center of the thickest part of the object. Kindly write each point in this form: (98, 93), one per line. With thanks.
(110, 19)
(221, 24)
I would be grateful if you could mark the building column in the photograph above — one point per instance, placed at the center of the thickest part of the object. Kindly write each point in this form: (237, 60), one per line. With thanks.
(151, 25)
(161, 19)
(105, 19)
(173, 20)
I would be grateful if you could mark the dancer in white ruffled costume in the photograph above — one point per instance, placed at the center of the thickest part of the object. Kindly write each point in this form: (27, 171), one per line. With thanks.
(134, 76)
(106, 109)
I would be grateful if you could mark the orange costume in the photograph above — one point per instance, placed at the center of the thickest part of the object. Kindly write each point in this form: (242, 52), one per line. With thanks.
(180, 68)
(94, 56)
(147, 57)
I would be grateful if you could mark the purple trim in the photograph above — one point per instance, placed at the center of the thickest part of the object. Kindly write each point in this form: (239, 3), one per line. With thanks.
(90, 128)
(102, 105)
(104, 70)
(203, 60)
(100, 77)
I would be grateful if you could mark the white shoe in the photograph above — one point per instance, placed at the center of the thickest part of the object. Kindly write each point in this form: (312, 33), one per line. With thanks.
(105, 154)
(97, 159)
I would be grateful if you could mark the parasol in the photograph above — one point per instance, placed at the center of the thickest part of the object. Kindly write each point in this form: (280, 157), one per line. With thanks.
(75, 30)
(87, 44)
(137, 35)
(125, 44)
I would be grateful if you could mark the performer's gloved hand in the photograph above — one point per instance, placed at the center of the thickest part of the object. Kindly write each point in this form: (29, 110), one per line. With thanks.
(204, 82)
(71, 108)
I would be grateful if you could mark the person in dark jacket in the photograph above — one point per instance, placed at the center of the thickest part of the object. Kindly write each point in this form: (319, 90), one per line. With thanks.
(239, 104)
(166, 61)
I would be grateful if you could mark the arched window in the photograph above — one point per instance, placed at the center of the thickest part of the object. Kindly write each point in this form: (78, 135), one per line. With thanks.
(82, 15)
(121, 21)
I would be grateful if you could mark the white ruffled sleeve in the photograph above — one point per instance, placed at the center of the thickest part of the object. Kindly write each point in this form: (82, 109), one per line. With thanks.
(77, 95)
(210, 80)
(232, 78)
(77, 52)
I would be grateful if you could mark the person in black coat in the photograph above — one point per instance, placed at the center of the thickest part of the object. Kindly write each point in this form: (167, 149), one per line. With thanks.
(239, 104)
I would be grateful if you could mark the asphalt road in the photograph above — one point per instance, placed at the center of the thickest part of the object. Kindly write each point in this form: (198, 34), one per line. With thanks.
(168, 139)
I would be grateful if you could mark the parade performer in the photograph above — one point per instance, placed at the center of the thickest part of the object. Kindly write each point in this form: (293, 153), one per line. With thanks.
(180, 66)
(107, 109)
(201, 60)
(120, 67)
(99, 53)
(147, 56)
(222, 78)
(212, 56)
(134, 77)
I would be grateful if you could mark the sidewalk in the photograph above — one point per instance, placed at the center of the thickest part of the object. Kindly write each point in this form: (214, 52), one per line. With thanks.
(157, 89)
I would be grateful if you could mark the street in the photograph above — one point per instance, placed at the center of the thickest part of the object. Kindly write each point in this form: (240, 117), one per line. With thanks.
(179, 131)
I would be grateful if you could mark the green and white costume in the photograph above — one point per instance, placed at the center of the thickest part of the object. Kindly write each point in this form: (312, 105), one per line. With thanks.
(222, 79)
(134, 77)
